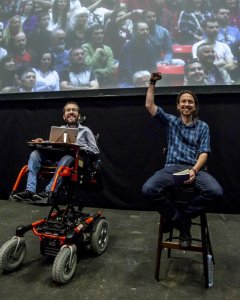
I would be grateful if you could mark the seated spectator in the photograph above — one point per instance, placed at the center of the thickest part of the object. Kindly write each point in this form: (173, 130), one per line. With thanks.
(3, 52)
(226, 34)
(8, 9)
(194, 73)
(167, 12)
(58, 48)
(79, 76)
(223, 54)
(234, 8)
(119, 31)
(46, 78)
(99, 57)
(28, 20)
(40, 6)
(23, 56)
(191, 20)
(39, 40)
(213, 75)
(137, 55)
(141, 79)
(13, 27)
(8, 72)
(160, 38)
(76, 34)
(27, 80)
(236, 73)
(60, 14)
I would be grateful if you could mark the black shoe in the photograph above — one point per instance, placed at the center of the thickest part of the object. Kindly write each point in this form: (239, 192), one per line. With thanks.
(26, 196)
(185, 238)
(41, 199)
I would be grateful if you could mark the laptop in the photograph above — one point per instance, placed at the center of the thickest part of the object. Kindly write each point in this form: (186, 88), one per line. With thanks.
(63, 135)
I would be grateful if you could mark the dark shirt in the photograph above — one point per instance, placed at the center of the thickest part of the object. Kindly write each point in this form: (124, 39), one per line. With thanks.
(39, 40)
(136, 57)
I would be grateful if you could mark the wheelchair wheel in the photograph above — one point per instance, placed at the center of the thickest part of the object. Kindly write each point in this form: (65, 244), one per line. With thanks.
(99, 238)
(12, 255)
(63, 269)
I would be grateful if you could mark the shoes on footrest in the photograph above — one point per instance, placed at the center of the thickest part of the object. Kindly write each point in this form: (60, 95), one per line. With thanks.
(41, 199)
(26, 196)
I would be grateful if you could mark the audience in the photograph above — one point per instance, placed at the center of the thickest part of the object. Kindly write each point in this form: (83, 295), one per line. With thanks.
(214, 75)
(191, 21)
(115, 54)
(226, 34)
(46, 78)
(160, 38)
(137, 55)
(194, 73)
(99, 56)
(223, 54)
(79, 76)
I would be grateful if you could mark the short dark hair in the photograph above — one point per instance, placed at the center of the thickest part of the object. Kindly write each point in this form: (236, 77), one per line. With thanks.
(71, 102)
(92, 28)
(190, 62)
(73, 49)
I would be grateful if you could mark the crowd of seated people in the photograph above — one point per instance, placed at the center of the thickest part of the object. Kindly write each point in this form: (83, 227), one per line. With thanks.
(94, 44)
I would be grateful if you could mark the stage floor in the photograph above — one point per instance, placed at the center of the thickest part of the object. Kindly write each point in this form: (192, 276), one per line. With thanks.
(126, 269)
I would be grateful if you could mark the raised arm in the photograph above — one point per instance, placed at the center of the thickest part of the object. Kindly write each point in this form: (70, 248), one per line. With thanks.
(150, 104)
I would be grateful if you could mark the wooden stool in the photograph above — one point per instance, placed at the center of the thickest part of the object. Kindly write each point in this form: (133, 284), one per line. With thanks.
(202, 245)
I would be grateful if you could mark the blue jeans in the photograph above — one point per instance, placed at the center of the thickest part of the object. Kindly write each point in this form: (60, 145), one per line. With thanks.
(156, 186)
(36, 159)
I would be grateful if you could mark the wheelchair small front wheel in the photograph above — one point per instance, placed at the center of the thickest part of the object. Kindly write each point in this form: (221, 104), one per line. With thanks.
(64, 265)
(12, 254)
(99, 238)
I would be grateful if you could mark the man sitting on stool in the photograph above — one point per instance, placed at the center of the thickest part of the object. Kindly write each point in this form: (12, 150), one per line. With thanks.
(85, 139)
(188, 148)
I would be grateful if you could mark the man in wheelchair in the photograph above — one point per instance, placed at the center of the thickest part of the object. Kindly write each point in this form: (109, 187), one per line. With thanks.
(85, 139)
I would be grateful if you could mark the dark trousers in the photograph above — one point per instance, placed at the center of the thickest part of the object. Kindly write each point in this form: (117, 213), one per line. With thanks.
(156, 187)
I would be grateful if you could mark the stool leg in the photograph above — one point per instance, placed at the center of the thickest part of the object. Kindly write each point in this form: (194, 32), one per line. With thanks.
(209, 242)
(170, 240)
(205, 247)
(159, 248)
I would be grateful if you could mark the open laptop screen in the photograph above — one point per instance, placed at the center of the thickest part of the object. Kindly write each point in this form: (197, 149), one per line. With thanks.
(63, 135)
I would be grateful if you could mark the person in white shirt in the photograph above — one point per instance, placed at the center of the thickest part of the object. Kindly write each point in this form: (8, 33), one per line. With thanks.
(46, 78)
(3, 52)
(223, 54)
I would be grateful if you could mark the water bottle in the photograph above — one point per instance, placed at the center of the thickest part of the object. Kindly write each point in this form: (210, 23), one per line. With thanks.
(210, 270)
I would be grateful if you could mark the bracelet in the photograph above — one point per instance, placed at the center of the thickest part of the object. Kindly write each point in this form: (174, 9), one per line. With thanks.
(194, 171)
(152, 82)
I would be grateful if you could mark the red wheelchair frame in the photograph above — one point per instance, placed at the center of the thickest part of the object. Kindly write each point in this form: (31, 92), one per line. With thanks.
(63, 230)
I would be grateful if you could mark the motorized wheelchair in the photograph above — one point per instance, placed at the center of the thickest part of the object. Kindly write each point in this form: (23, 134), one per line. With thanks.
(66, 227)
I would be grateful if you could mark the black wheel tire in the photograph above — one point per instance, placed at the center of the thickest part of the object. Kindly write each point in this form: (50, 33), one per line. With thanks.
(99, 238)
(9, 260)
(61, 271)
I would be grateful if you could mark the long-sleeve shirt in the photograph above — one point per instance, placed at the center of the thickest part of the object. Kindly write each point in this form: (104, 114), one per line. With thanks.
(103, 66)
(86, 139)
(185, 142)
